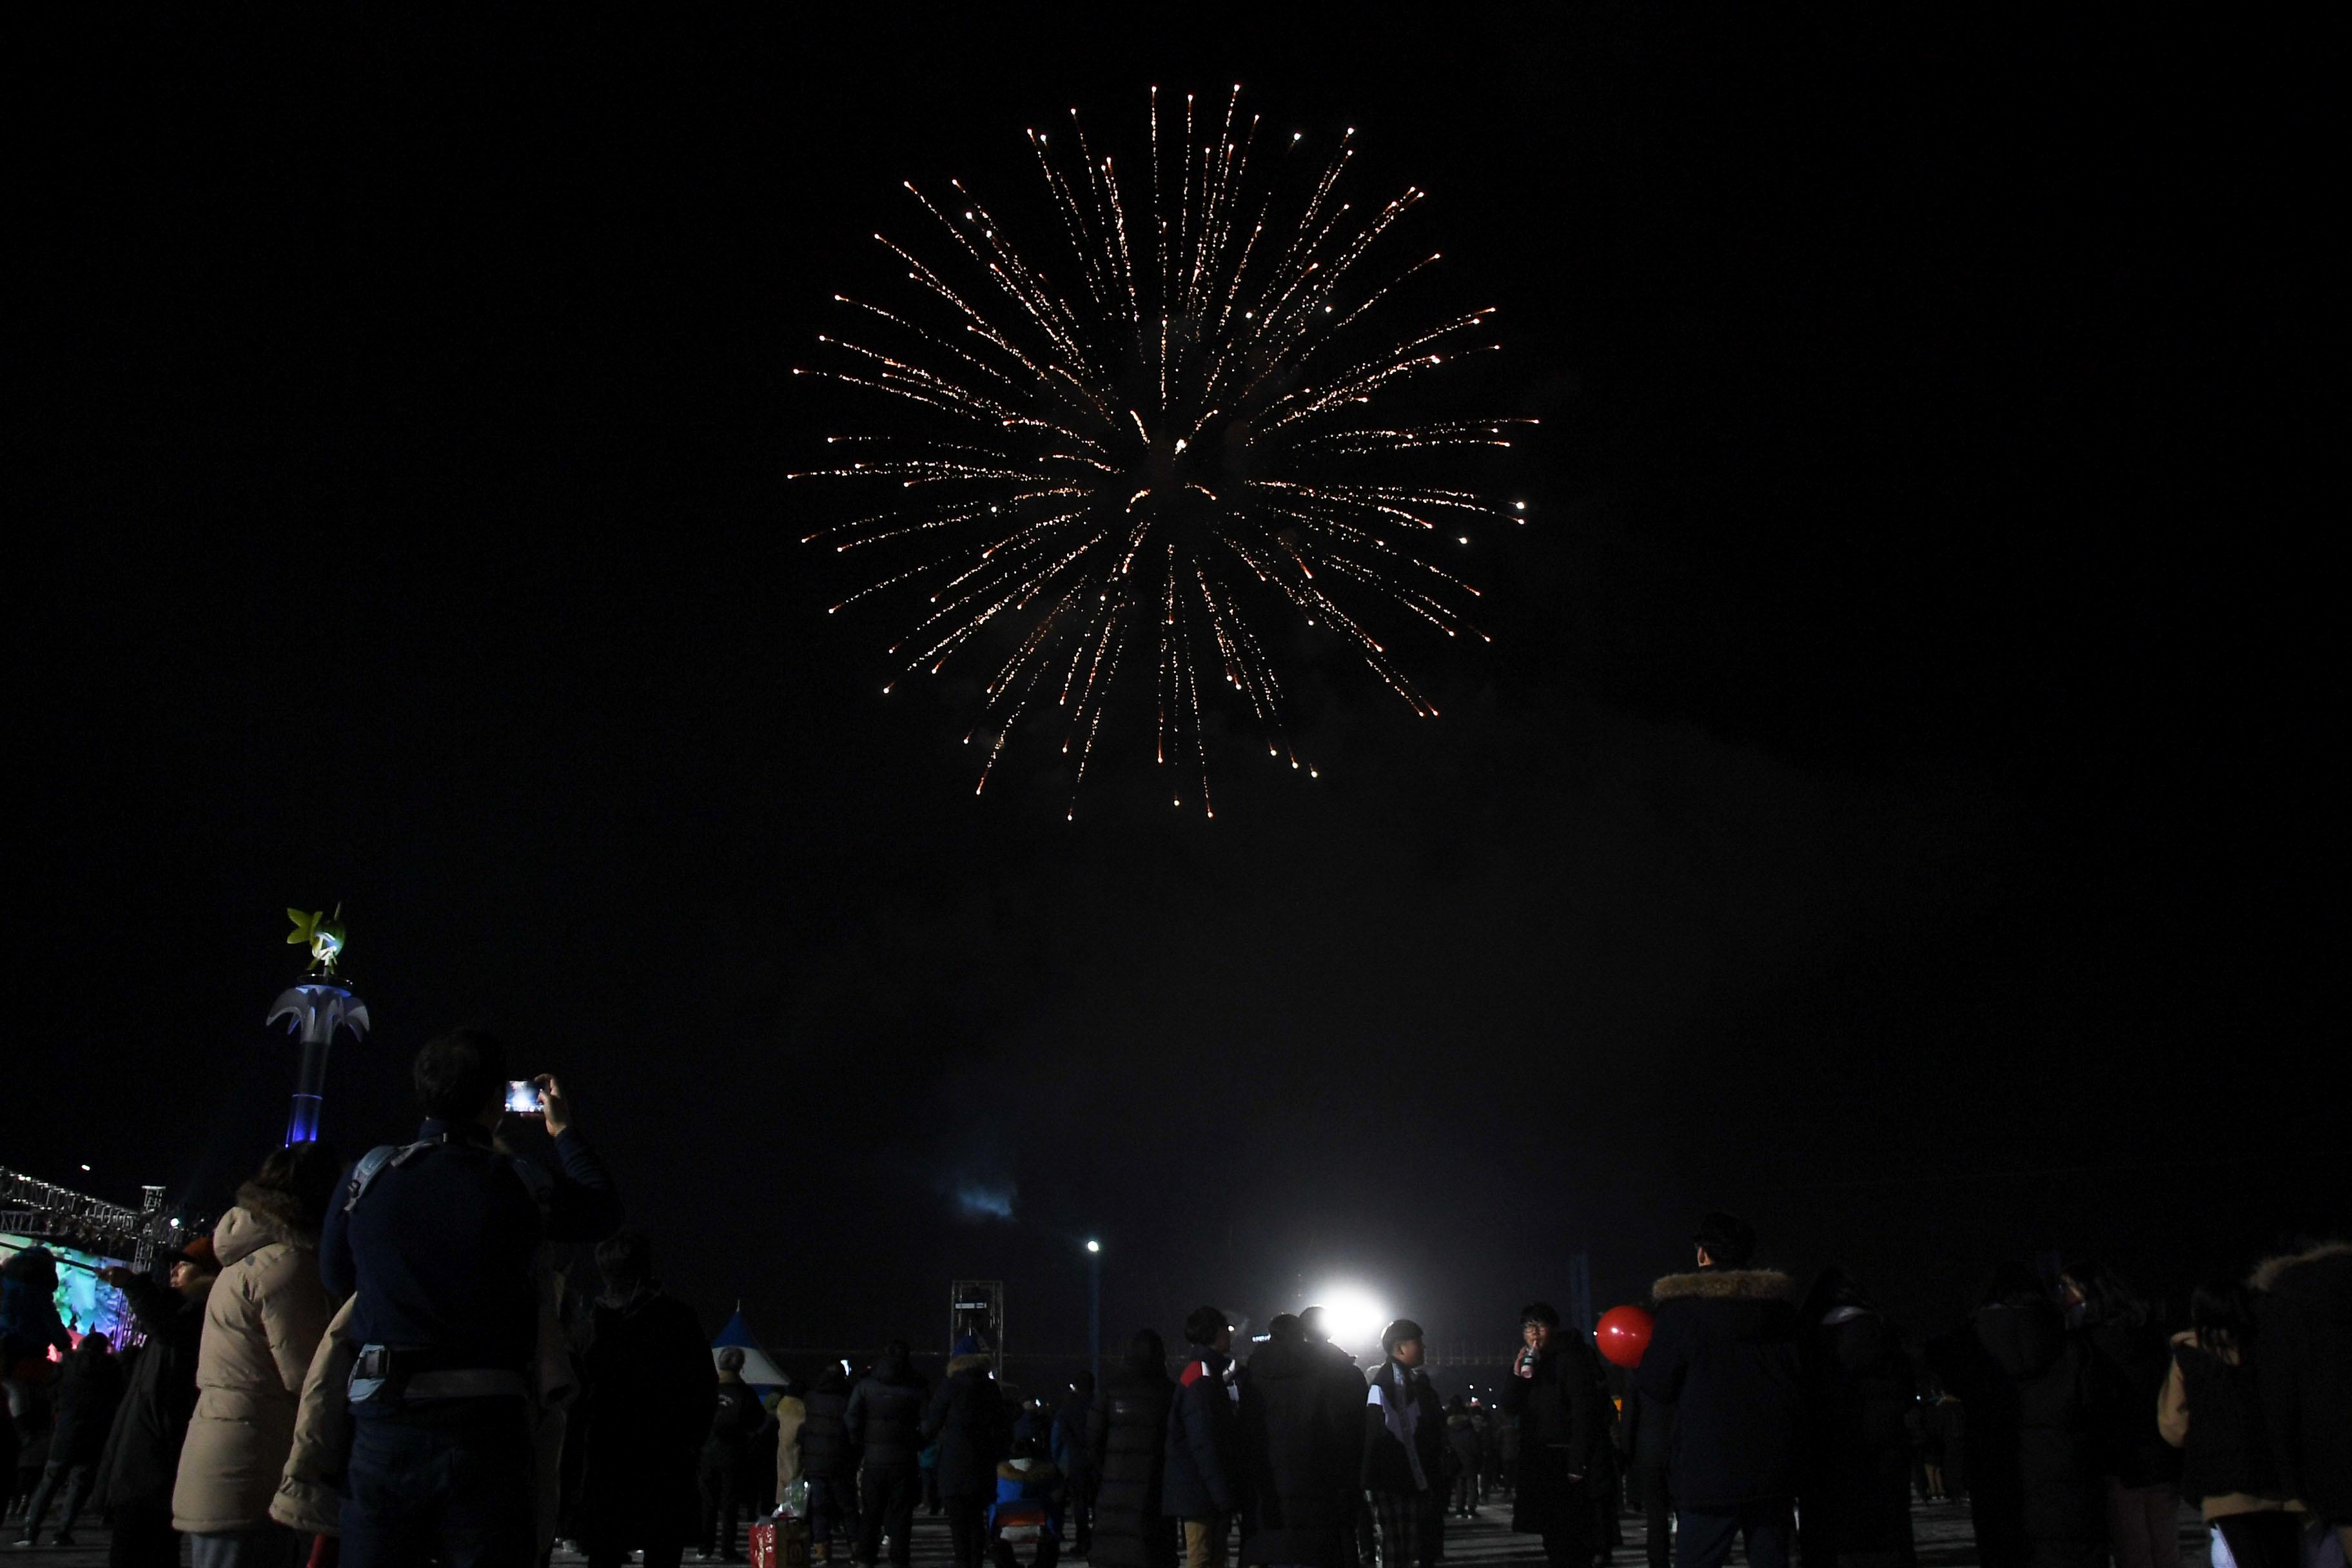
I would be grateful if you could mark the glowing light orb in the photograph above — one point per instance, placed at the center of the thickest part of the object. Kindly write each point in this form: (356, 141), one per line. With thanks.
(1354, 1318)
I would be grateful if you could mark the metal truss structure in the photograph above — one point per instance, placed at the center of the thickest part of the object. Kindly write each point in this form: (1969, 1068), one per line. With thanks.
(43, 1211)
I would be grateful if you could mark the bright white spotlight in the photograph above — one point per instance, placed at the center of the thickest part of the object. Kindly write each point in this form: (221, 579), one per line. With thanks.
(1094, 1246)
(1354, 1316)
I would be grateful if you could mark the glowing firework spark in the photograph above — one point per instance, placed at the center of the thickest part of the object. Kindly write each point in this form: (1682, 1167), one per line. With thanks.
(1121, 470)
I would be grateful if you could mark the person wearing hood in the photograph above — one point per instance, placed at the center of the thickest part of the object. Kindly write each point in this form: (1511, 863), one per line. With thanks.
(2139, 1469)
(651, 1387)
(826, 1460)
(736, 1415)
(2303, 1317)
(1856, 1502)
(1032, 1498)
(1299, 1438)
(263, 1320)
(89, 1390)
(968, 1420)
(2211, 1409)
(141, 1461)
(1131, 1528)
(884, 1419)
(1404, 1452)
(1557, 1399)
(1725, 1352)
(2034, 1401)
(1199, 1488)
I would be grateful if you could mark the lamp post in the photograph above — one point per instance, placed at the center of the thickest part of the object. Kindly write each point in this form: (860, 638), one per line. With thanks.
(1093, 1308)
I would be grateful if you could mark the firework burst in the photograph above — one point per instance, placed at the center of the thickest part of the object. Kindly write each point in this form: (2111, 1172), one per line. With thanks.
(1181, 428)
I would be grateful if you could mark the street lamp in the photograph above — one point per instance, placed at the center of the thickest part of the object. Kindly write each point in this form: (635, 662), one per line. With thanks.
(1093, 1308)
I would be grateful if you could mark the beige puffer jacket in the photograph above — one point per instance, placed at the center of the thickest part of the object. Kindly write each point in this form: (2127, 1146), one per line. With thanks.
(262, 1322)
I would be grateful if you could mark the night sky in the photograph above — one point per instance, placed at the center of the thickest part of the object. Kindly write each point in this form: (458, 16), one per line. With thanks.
(1894, 805)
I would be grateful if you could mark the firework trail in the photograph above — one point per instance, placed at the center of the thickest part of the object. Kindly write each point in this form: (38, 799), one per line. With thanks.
(1125, 463)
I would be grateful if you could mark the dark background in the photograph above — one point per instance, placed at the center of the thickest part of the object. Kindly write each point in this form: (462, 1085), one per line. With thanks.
(1894, 805)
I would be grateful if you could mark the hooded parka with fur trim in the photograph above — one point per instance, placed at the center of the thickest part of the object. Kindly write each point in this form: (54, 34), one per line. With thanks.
(262, 1322)
(1725, 1352)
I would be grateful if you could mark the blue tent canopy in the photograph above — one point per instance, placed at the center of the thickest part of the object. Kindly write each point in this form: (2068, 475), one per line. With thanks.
(758, 1370)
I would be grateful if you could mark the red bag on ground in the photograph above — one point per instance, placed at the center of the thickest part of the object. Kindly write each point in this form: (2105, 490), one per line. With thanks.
(763, 1545)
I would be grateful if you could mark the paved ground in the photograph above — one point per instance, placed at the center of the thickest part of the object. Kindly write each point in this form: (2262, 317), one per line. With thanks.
(1941, 1529)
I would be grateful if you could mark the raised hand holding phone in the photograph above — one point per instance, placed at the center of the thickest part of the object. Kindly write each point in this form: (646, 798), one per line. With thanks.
(553, 1104)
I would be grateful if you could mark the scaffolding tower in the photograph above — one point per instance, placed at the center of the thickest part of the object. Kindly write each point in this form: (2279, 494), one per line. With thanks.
(976, 1306)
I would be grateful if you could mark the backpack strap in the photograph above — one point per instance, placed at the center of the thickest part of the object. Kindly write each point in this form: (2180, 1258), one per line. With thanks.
(375, 1162)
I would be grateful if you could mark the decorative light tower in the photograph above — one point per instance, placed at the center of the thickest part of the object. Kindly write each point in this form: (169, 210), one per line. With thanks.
(315, 1008)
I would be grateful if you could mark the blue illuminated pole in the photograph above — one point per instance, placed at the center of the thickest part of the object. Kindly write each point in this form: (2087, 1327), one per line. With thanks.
(316, 1007)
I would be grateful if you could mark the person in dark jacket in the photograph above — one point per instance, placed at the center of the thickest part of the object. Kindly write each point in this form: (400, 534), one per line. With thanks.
(439, 1242)
(1298, 1437)
(2212, 1408)
(2139, 1467)
(2302, 1316)
(736, 1415)
(1725, 1351)
(884, 1419)
(1201, 1463)
(644, 1415)
(1404, 1452)
(1072, 1450)
(1859, 1393)
(1131, 1527)
(1466, 1456)
(2032, 1394)
(828, 1460)
(141, 1461)
(973, 1427)
(30, 1327)
(1649, 1437)
(1555, 1398)
(87, 1393)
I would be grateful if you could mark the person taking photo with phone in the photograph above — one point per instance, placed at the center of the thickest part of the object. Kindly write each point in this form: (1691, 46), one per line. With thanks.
(438, 1239)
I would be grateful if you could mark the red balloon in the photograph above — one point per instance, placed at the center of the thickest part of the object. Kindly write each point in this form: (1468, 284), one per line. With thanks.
(1624, 1334)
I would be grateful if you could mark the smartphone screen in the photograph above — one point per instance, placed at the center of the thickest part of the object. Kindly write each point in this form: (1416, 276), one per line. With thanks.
(523, 1098)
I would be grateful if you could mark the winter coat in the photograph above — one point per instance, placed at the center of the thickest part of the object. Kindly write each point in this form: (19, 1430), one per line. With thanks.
(1464, 1445)
(1725, 1351)
(1299, 1439)
(89, 1390)
(2212, 1408)
(826, 1453)
(788, 1424)
(309, 1490)
(1201, 1463)
(2133, 1358)
(2302, 1319)
(2032, 1395)
(1561, 1415)
(1072, 1437)
(263, 1322)
(650, 1389)
(736, 1413)
(968, 1420)
(884, 1414)
(1387, 1467)
(1130, 1447)
(141, 1461)
(1030, 1495)
(1858, 1393)
(30, 1325)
